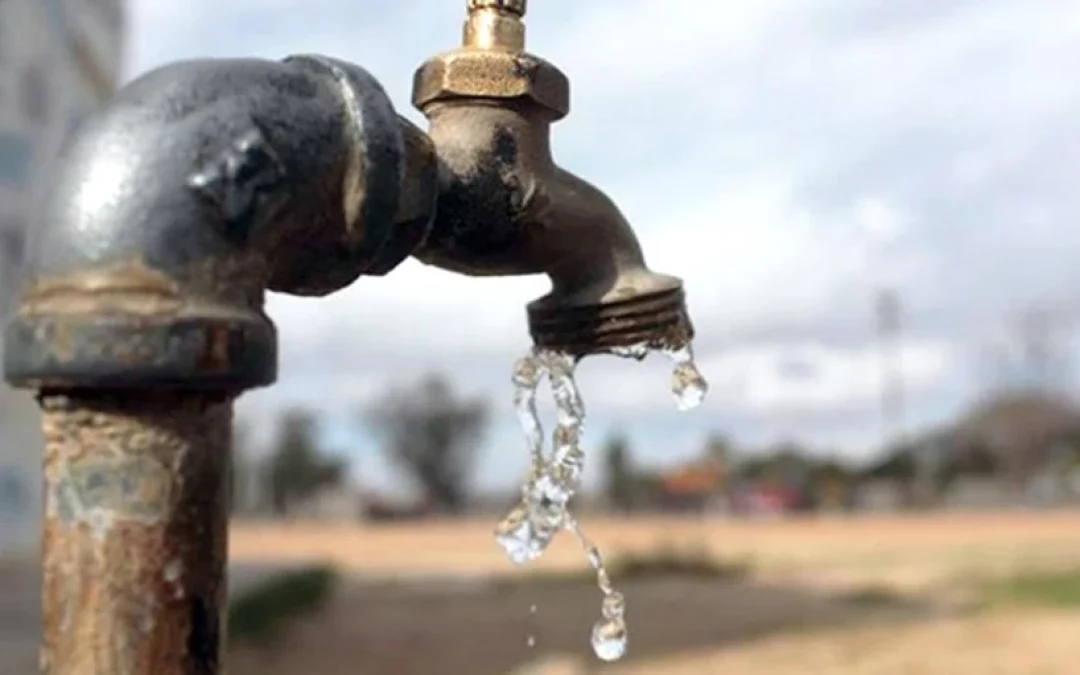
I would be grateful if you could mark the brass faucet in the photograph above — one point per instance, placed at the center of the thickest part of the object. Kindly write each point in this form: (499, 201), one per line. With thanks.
(204, 183)
(505, 207)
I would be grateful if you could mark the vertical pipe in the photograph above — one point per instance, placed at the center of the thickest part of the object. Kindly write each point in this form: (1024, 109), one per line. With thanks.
(135, 532)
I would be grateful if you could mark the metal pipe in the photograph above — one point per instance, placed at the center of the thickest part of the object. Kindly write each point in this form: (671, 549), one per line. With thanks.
(135, 538)
(205, 183)
(197, 188)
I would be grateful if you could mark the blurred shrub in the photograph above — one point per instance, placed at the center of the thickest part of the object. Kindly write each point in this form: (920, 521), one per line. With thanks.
(872, 596)
(666, 561)
(1051, 589)
(258, 614)
(670, 561)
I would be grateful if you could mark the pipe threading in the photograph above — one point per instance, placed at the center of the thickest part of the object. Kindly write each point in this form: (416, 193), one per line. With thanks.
(515, 7)
(659, 320)
(495, 25)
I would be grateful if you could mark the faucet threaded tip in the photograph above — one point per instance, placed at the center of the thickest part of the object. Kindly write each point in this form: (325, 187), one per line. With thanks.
(656, 320)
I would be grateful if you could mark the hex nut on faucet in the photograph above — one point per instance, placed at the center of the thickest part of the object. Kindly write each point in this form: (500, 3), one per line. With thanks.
(478, 73)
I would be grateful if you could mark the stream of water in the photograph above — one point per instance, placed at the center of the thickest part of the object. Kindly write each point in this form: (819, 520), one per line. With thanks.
(554, 479)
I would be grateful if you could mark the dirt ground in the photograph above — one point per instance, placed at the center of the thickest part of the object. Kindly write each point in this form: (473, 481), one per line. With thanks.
(409, 630)
(907, 551)
(1016, 643)
(796, 614)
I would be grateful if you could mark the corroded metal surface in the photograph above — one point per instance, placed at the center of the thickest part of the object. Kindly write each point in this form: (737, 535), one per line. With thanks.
(505, 206)
(198, 187)
(135, 534)
(205, 183)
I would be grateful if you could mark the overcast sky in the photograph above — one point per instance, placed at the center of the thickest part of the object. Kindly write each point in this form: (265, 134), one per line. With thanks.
(785, 157)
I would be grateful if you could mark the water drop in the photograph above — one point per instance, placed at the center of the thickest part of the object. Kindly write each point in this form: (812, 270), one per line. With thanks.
(687, 383)
(531, 640)
(527, 374)
(569, 407)
(614, 606)
(520, 537)
(637, 352)
(609, 639)
(527, 530)
(595, 559)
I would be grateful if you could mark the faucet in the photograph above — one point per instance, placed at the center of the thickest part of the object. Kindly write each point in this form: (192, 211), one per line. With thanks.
(505, 207)
(205, 183)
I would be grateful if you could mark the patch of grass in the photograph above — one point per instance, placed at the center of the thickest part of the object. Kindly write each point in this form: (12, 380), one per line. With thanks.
(259, 614)
(673, 562)
(664, 562)
(1051, 589)
(872, 596)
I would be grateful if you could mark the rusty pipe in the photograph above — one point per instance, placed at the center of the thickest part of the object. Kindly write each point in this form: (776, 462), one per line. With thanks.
(197, 188)
(505, 207)
(134, 543)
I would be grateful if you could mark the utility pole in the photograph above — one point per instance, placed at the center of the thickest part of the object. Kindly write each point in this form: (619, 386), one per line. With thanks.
(889, 319)
(892, 390)
(1045, 364)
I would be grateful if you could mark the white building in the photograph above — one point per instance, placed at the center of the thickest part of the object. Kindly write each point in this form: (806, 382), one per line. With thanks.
(59, 59)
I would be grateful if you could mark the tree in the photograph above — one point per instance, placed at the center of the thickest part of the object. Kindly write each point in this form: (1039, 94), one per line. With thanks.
(620, 485)
(432, 435)
(719, 450)
(1020, 426)
(831, 483)
(298, 469)
(786, 464)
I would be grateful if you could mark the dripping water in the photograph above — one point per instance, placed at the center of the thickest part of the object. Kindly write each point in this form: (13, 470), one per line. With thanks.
(531, 640)
(553, 480)
(688, 386)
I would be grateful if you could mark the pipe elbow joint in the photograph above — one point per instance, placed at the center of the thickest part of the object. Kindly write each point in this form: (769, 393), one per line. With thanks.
(200, 186)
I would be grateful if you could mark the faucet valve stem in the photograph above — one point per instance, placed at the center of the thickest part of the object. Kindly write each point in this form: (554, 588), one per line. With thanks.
(514, 7)
(495, 25)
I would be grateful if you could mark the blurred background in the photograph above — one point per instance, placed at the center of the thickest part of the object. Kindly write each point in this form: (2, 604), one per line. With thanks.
(872, 207)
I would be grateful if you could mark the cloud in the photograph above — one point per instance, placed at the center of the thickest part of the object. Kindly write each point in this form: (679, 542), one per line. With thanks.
(786, 158)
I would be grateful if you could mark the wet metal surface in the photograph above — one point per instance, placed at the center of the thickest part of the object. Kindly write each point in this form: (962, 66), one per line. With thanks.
(505, 207)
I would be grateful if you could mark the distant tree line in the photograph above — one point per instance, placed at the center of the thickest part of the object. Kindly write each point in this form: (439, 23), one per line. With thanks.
(432, 433)
(1007, 439)
(429, 432)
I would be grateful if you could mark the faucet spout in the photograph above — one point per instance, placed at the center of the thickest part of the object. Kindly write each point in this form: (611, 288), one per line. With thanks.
(506, 208)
